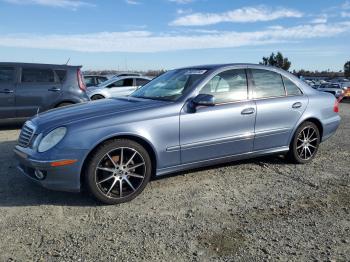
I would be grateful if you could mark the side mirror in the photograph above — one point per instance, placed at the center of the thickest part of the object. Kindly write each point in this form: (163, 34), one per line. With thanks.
(204, 100)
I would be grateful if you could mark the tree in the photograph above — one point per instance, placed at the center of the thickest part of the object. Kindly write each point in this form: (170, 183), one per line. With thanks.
(276, 60)
(347, 69)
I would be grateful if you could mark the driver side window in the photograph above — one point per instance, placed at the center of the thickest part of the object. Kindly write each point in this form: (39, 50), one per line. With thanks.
(228, 86)
(122, 83)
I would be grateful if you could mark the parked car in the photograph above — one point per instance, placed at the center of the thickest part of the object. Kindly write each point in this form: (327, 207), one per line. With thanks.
(346, 87)
(186, 118)
(26, 89)
(335, 89)
(117, 86)
(94, 80)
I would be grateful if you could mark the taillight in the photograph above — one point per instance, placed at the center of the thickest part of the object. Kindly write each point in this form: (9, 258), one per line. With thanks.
(336, 106)
(81, 82)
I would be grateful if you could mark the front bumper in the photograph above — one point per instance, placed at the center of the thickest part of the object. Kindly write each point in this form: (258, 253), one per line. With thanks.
(61, 178)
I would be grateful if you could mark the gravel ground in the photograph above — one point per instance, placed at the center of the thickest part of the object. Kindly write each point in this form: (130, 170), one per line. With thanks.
(260, 209)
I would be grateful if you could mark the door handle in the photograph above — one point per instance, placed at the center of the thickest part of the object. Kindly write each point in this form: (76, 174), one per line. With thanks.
(7, 91)
(54, 89)
(248, 111)
(297, 105)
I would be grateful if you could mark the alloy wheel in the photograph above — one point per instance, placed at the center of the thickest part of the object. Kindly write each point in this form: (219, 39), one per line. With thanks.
(120, 172)
(307, 143)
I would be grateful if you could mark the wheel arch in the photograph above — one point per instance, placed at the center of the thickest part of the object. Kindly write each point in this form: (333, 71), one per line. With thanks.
(98, 94)
(64, 101)
(317, 122)
(314, 120)
(136, 138)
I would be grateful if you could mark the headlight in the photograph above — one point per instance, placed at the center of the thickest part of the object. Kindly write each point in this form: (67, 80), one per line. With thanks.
(52, 139)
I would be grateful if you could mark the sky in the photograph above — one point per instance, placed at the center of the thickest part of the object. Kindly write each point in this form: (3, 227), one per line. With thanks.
(166, 34)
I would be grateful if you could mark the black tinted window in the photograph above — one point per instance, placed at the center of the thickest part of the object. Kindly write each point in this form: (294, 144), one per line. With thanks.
(7, 74)
(128, 82)
(292, 89)
(61, 74)
(122, 82)
(33, 75)
(267, 84)
(227, 86)
(141, 82)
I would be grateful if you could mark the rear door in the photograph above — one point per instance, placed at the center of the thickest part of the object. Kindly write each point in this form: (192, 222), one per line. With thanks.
(280, 104)
(7, 92)
(39, 90)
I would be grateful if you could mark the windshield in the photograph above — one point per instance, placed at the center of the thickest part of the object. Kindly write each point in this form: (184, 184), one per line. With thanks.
(107, 82)
(171, 85)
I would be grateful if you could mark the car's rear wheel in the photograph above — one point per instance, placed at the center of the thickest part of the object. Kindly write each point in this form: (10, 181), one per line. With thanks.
(97, 97)
(305, 143)
(118, 171)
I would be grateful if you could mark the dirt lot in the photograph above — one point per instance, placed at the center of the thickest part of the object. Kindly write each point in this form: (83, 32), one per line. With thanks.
(249, 210)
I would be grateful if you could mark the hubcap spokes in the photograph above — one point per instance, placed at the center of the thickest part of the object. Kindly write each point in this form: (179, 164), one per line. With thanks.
(120, 172)
(307, 143)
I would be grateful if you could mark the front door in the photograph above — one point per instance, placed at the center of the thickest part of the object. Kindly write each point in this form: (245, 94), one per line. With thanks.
(224, 129)
(7, 92)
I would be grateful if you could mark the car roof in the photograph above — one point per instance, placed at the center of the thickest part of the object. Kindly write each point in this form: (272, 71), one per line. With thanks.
(123, 77)
(219, 66)
(96, 76)
(128, 74)
(38, 65)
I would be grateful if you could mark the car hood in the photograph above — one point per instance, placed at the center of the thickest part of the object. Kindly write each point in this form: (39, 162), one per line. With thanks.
(91, 110)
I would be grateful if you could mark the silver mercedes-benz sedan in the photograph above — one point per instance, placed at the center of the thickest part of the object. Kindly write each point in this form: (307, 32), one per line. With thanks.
(186, 118)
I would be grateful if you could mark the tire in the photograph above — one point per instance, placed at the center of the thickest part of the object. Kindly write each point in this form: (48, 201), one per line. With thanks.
(106, 175)
(97, 97)
(305, 143)
(64, 104)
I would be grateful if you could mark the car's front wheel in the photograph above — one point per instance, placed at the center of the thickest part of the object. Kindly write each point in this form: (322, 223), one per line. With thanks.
(305, 143)
(118, 171)
(97, 97)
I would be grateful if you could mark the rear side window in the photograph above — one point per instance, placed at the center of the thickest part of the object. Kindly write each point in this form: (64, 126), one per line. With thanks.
(7, 74)
(35, 75)
(292, 89)
(267, 84)
(61, 74)
(141, 82)
(122, 82)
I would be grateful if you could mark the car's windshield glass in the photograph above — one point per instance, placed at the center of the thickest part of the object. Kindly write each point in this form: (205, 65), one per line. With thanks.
(171, 85)
(107, 82)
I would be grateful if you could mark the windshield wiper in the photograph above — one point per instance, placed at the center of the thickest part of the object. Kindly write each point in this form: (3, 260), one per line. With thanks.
(159, 98)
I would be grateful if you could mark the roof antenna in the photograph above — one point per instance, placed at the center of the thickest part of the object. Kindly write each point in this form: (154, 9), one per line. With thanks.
(68, 61)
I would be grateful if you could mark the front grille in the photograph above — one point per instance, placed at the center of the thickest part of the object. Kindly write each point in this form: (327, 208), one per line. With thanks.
(26, 135)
